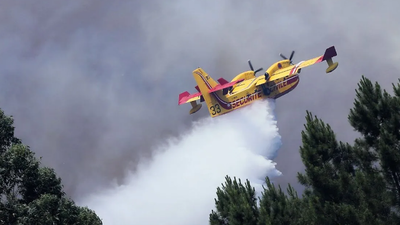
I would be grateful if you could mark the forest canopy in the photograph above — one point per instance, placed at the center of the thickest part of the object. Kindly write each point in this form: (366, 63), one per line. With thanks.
(344, 184)
(31, 193)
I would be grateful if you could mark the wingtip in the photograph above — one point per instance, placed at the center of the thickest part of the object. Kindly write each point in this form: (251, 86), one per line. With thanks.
(182, 95)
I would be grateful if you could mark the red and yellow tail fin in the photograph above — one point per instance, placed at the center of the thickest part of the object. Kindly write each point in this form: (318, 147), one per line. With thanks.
(216, 103)
(205, 83)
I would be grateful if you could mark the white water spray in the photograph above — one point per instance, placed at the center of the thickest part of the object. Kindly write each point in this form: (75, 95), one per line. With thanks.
(178, 185)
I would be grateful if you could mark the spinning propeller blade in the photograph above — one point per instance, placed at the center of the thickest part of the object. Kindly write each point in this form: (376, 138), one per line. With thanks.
(290, 58)
(258, 70)
(282, 56)
(251, 67)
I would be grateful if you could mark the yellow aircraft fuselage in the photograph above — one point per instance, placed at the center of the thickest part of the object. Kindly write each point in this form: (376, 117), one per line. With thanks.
(245, 92)
(223, 97)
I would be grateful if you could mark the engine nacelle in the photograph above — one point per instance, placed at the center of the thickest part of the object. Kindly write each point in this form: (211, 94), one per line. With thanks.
(278, 65)
(245, 75)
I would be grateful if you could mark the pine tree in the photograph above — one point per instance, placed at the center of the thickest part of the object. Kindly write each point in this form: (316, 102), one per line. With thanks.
(369, 110)
(278, 208)
(376, 115)
(329, 164)
(236, 204)
(329, 174)
(345, 184)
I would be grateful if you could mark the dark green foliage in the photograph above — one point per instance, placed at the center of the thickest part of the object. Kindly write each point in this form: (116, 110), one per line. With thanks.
(328, 162)
(50, 209)
(369, 111)
(278, 208)
(328, 175)
(345, 184)
(29, 193)
(377, 118)
(6, 132)
(87, 216)
(236, 204)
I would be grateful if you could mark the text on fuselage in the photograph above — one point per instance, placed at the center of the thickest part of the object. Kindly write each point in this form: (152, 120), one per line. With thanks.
(246, 99)
(279, 85)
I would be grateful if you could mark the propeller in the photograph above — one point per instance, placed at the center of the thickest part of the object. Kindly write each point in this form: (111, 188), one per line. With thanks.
(290, 58)
(251, 67)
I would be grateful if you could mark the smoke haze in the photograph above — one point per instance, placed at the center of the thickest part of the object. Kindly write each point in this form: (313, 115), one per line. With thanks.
(178, 185)
(93, 85)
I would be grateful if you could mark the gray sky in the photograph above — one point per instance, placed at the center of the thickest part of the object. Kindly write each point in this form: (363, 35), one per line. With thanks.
(93, 85)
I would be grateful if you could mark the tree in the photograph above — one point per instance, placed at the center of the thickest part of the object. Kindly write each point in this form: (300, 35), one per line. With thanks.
(329, 163)
(236, 204)
(376, 115)
(278, 208)
(6, 132)
(329, 174)
(29, 193)
(340, 191)
(345, 184)
(50, 209)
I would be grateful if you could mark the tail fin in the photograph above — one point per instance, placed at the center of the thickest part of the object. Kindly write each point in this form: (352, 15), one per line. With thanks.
(328, 55)
(205, 84)
(205, 79)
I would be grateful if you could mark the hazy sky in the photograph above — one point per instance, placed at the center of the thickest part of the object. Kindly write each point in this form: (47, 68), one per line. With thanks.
(94, 85)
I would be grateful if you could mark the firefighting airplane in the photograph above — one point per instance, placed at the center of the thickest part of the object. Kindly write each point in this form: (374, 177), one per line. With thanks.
(278, 80)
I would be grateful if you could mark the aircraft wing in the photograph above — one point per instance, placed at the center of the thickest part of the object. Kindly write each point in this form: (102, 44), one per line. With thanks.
(224, 85)
(329, 53)
(284, 72)
(186, 97)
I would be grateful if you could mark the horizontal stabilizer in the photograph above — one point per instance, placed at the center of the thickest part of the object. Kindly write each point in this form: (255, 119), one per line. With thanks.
(227, 85)
(186, 97)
